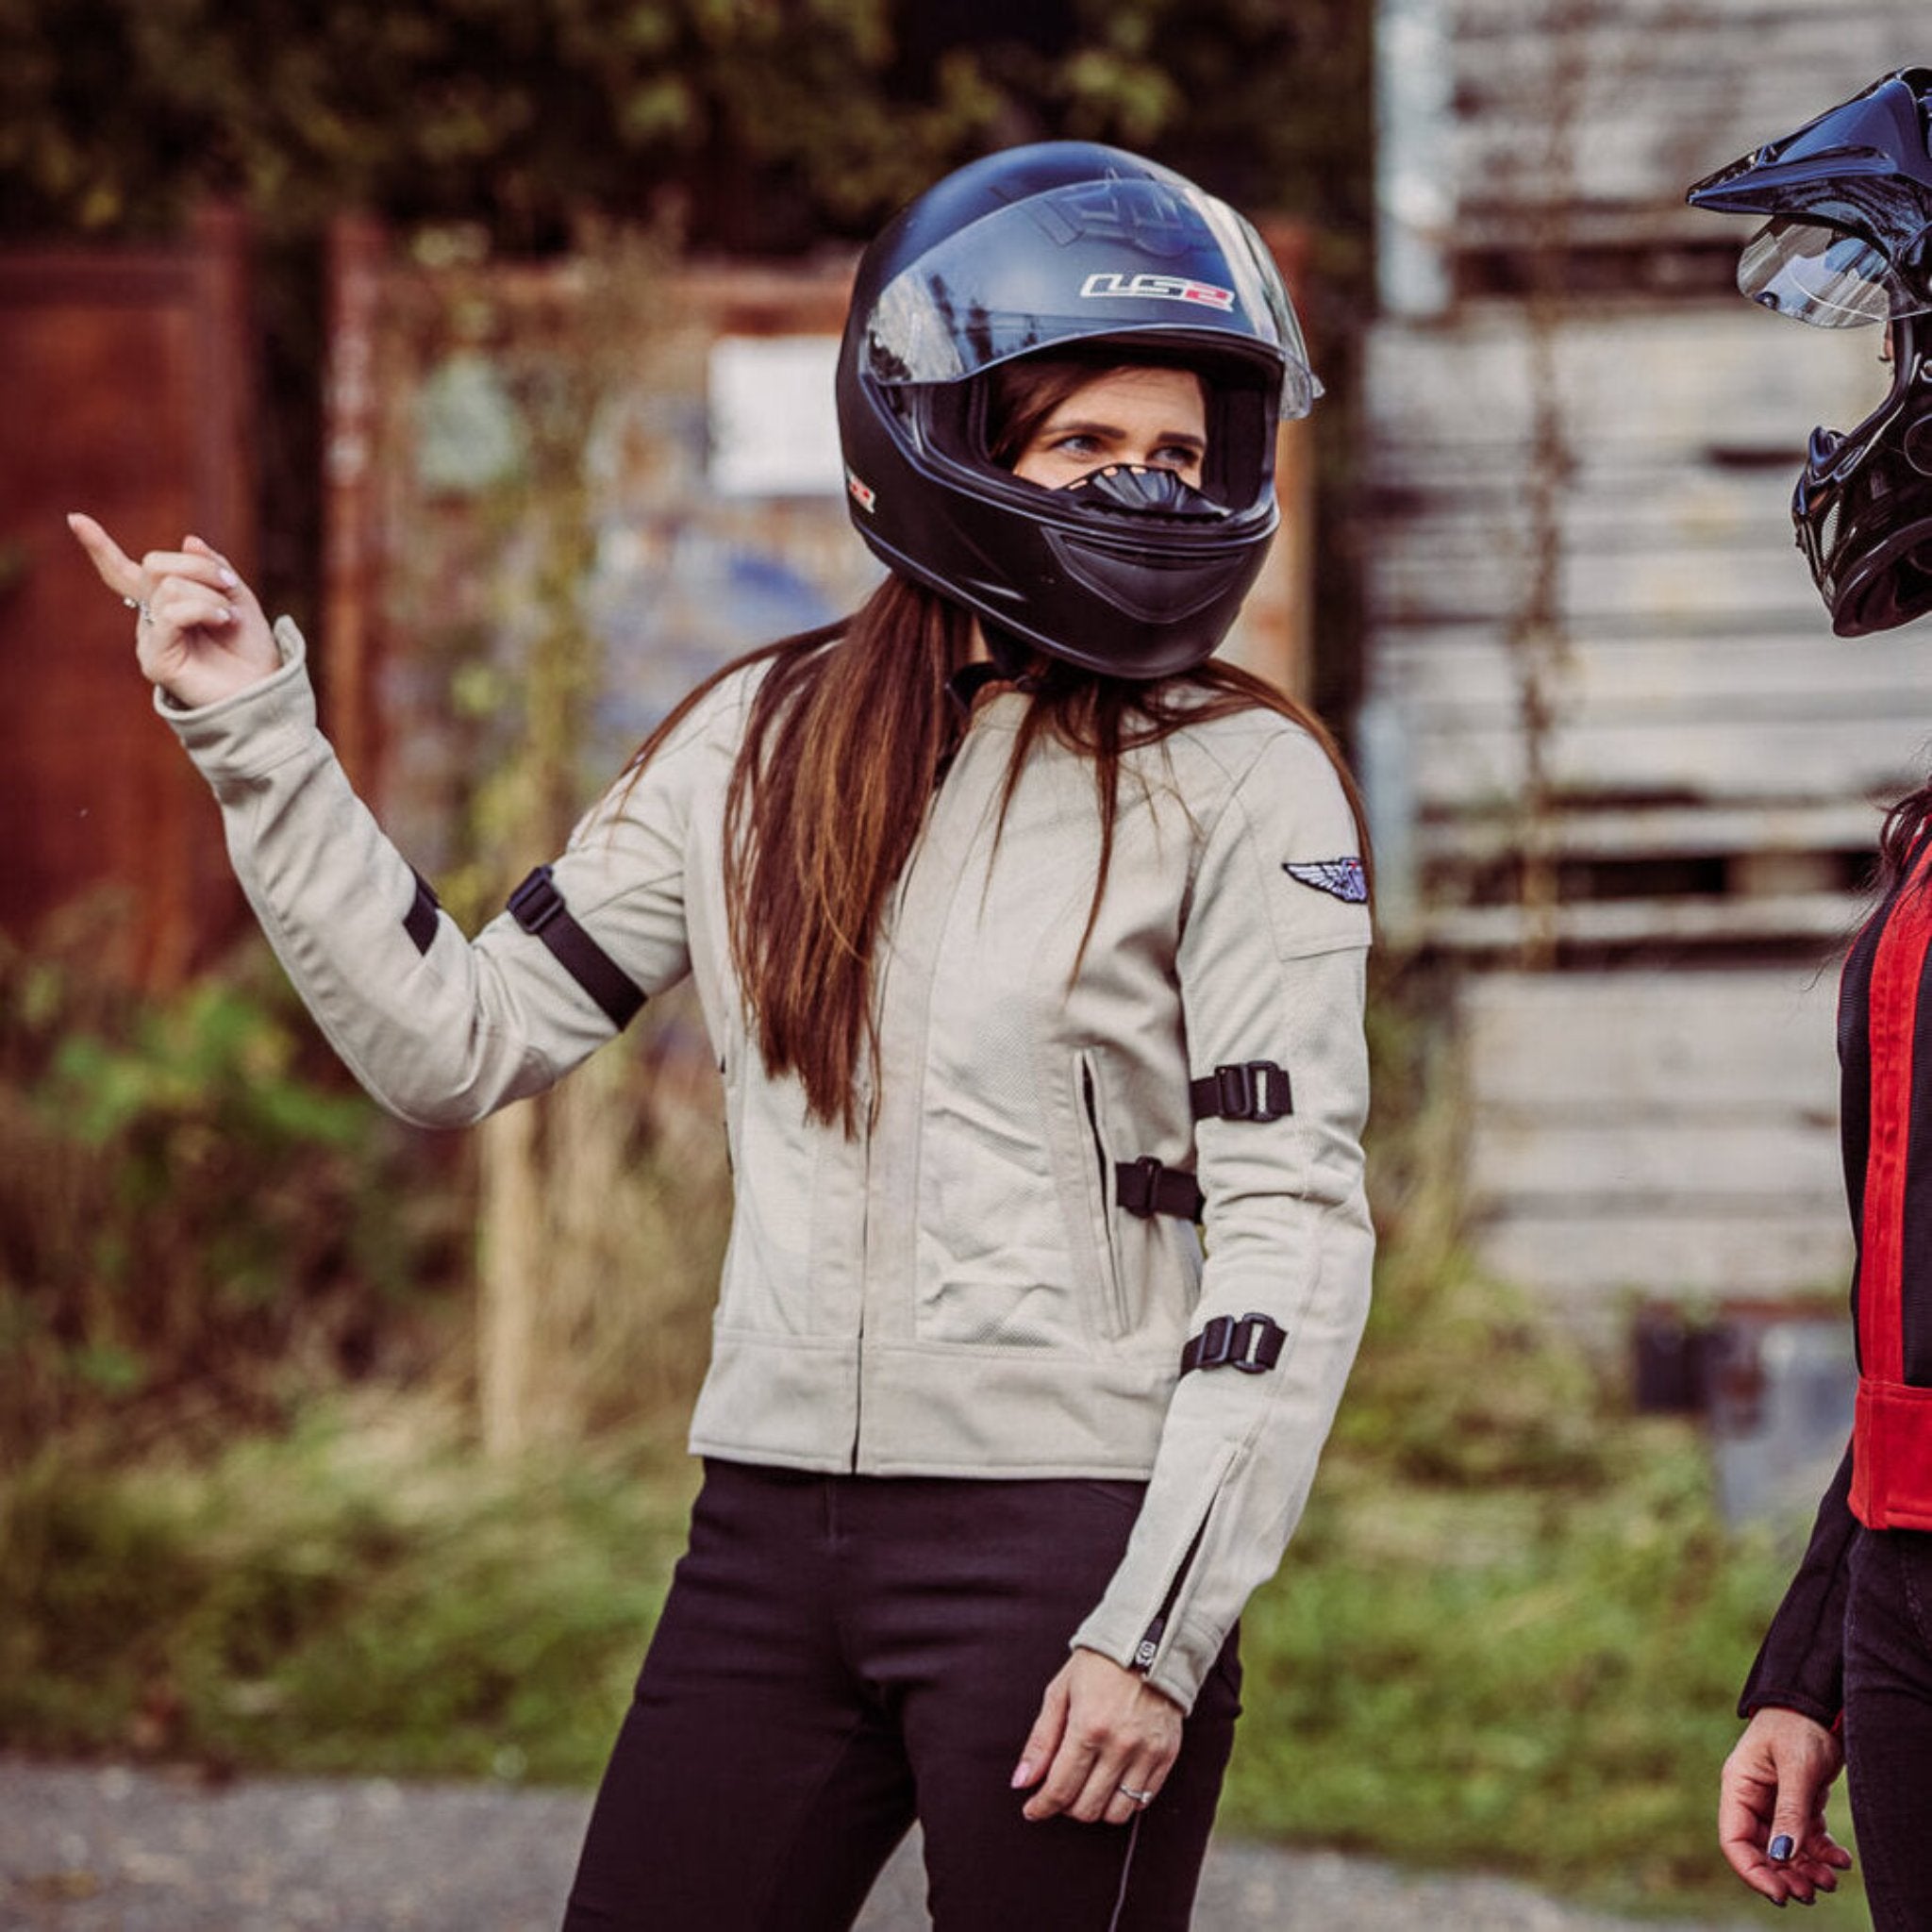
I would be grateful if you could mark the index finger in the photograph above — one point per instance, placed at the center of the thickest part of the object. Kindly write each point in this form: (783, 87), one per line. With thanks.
(112, 564)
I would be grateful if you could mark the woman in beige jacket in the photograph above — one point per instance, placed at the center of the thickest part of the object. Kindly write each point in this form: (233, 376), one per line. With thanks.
(1031, 943)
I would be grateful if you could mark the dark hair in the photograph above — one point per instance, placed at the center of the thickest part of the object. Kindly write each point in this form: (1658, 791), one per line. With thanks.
(1904, 825)
(851, 728)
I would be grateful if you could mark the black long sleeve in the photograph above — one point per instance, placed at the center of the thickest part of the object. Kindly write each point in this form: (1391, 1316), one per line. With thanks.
(1801, 1663)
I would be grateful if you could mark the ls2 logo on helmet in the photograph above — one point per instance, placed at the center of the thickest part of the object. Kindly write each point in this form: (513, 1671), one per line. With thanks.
(1143, 287)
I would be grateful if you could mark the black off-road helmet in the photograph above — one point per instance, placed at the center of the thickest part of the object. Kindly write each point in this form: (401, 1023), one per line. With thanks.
(1068, 247)
(1849, 242)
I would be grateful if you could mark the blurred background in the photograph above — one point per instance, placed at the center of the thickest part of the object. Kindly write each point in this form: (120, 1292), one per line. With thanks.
(494, 342)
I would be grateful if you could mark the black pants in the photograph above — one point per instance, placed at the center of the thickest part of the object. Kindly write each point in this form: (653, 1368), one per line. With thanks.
(839, 1655)
(1888, 1729)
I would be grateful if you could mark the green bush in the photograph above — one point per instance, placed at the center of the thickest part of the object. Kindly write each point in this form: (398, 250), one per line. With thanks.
(197, 1206)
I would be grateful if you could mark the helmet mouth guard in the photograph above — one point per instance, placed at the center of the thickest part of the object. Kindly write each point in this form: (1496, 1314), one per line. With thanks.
(1143, 491)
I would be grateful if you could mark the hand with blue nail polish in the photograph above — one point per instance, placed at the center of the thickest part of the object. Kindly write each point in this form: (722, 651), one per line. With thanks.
(1771, 1809)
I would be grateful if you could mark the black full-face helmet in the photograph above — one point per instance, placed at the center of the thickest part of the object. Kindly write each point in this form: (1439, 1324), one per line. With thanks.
(1070, 248)
(1849, 242)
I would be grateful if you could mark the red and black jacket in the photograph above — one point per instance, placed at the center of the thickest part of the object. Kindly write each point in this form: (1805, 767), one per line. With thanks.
(1885, 1482)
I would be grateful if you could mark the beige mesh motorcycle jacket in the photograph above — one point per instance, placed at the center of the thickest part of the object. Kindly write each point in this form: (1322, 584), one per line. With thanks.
(1004, 1276)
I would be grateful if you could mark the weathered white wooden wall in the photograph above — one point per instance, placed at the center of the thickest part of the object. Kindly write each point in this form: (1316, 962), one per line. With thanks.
(1654, 1133)
(1716, 760)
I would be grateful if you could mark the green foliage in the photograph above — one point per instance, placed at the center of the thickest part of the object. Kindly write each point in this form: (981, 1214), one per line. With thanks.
(765, 124)
(193, 1200)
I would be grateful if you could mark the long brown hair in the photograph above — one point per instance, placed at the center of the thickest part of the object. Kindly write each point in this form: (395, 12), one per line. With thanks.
(850, 730)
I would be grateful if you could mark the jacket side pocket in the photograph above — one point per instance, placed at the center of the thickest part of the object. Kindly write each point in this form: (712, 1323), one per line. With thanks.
(1100, 1193)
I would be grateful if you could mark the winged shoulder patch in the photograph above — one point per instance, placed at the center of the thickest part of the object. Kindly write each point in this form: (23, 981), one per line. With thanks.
(1342, 879)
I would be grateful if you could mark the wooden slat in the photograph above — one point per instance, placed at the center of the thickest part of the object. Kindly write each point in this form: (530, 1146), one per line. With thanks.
(1738, 1166)
(1672, 1044)
(1685, 378)
(1654, 1133)
(1745, 918)
(1594, 1266)
(1662, 831)
(1444, 583)
(1795, 757)
(1455, 675)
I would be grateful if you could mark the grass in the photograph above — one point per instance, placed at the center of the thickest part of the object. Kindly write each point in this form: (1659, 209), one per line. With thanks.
(363, 1595)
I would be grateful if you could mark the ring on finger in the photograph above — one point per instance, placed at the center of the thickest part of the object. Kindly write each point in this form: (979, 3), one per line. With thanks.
(1142, 1798)
(136, 604)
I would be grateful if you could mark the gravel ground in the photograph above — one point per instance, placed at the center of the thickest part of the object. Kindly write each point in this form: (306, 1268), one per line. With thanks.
(114, 1850)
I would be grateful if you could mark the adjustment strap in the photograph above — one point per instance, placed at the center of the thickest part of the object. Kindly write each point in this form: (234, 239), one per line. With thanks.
(1143, 1186)
(539, 907)
(1253, 1090)
(419, 922)
(1252, 1345)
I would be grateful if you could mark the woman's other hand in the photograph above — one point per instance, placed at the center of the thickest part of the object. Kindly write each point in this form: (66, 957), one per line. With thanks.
(1771, 1798)
(1103, 1733)
(199, 633)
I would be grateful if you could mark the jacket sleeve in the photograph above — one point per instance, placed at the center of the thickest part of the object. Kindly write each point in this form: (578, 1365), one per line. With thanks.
(1271, 968)
(1801, 1664)
(440, 1030)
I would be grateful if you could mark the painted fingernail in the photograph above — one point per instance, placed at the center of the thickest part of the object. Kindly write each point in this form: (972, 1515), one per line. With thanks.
(1022, 1776)
(1781, 1848)
(228, 577)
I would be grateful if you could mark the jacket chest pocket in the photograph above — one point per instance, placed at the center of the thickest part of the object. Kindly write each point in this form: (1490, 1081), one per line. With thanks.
(1091, 1104)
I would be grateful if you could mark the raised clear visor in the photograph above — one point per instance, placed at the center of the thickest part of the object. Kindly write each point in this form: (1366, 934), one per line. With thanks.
(1131, 255)
(1824, 277)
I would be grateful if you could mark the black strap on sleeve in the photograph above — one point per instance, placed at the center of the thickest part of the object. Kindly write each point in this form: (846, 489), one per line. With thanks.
(1143, 1186)
(539, 907)
(1254, 1091)
(419, 922)
(1252, 1345)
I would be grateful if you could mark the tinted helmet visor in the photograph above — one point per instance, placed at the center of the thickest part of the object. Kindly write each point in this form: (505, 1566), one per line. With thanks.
(1825, 277)
(1126, 257)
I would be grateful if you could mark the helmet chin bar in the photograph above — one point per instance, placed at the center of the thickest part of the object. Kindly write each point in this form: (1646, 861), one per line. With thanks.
(1863, 504)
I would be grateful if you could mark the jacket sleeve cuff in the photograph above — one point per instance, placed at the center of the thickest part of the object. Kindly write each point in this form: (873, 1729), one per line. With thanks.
(246, 734)
(1179, 1667)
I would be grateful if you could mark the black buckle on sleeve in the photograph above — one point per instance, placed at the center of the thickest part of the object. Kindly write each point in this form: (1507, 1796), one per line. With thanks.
(539, 907)
(1247, 1090)
(1252, 1344)
(535, 902)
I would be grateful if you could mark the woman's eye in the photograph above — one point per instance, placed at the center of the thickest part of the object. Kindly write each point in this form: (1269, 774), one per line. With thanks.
(1080, 445)
(1176, 457)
